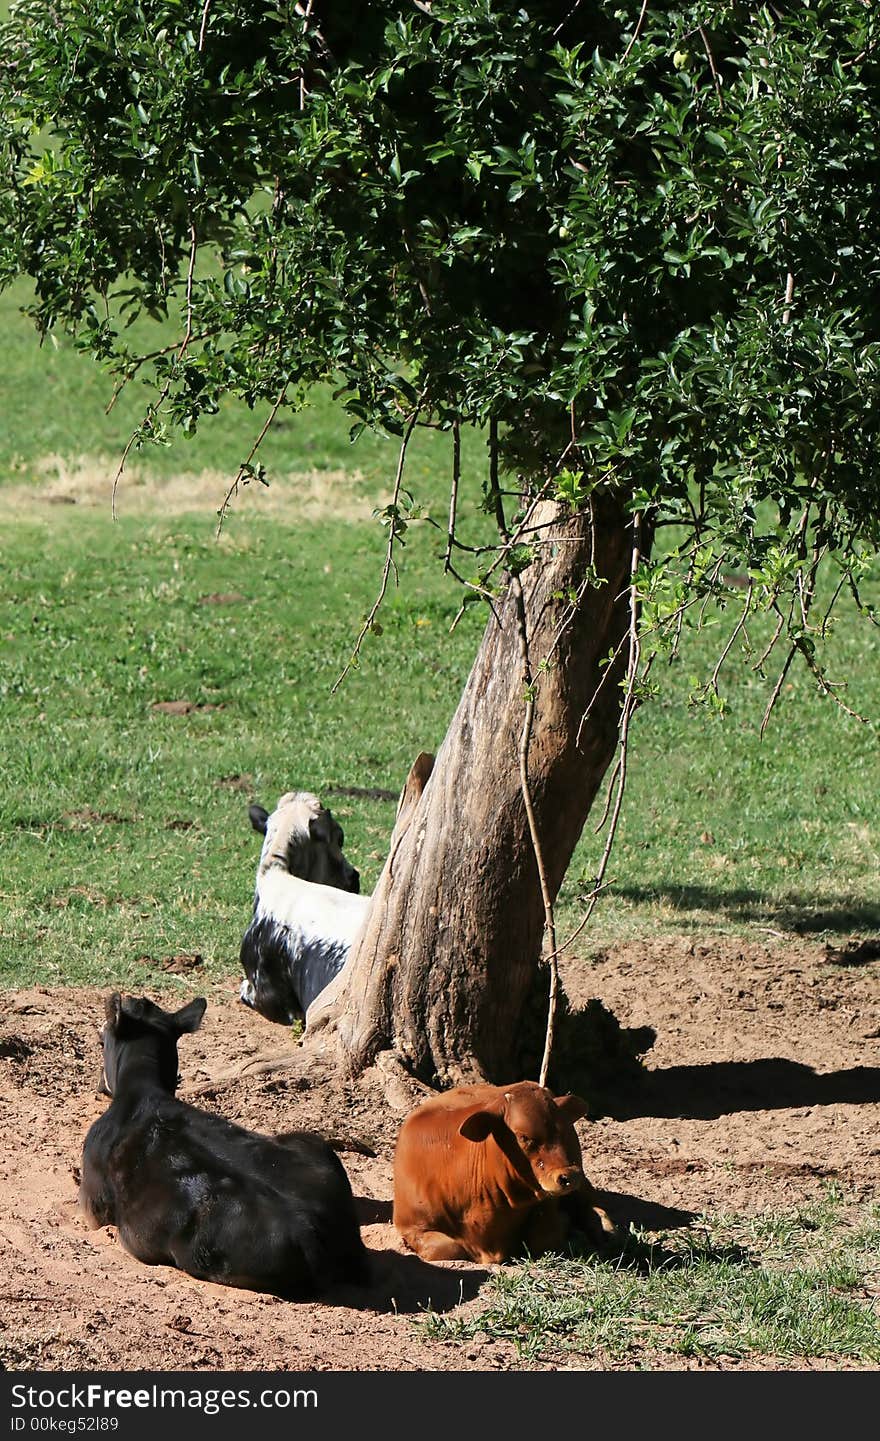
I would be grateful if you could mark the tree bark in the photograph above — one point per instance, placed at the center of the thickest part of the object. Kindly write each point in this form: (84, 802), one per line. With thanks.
(449, 952)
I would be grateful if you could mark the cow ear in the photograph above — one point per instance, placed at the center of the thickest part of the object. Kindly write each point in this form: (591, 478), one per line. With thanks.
(113, 1010)
(259, 816)
(574, 1107)
(319, 827)
(477, 1126)
(189, 1018)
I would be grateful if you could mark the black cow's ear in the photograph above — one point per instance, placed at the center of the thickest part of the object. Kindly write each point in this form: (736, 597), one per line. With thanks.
(320, 827)
(259, 816)
(478, 1125)
(189, 1018)
(113, 1010)
(574, 1107)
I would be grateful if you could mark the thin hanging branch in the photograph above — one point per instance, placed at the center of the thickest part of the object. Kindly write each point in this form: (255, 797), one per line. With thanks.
(777, 689)
(204, 26)
(182, 349)
(679, 622)
(453, 541)
(389, 554)
(306, 17)
(524, 529)
(771, 644)
(626, 715)
(829, 688)
(136, 364)
(242, 477)
(637, 31)
(838, 590)
(608, 670)
(713, 581)
(453, 495)
(609, 792)
(711, 60)
(734, 633)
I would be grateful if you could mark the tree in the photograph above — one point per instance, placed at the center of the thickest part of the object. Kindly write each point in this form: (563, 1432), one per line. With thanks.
(636, 243)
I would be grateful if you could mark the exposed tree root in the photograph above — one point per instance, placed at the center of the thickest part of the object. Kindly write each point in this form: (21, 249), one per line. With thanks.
(315, 1061)
(401, 1090)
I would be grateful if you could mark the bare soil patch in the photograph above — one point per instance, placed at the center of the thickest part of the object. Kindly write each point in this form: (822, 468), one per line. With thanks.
(763, 1085)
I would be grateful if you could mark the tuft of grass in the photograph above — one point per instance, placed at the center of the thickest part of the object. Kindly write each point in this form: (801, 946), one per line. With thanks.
(782, 1286)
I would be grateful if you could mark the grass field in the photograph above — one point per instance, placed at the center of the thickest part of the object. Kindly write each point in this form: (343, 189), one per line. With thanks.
(123, 826)
(787, 1285)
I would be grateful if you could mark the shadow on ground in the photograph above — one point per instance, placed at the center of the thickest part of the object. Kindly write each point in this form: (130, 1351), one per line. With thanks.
(705, 1092)
(626, 1210)
(403, 1284)
(801, 914)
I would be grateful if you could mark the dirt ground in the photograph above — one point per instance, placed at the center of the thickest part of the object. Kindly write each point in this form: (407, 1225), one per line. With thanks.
(764, 1085)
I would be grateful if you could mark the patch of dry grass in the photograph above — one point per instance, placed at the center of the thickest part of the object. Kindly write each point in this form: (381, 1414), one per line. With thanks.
(87, 481)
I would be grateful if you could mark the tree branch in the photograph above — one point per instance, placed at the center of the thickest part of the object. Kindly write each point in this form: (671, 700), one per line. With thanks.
(453, 495)
(389, 555)
(626, 714)
(184, 345)
(637, 31)
(245, 465)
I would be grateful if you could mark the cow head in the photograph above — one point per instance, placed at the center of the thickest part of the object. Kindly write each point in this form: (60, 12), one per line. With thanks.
(302, 836)
(535, 1130)
(134, 1025)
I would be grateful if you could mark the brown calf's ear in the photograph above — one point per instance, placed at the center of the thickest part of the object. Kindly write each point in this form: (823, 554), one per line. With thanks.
(189, 1018)
(478, 1125)
(574, 1107)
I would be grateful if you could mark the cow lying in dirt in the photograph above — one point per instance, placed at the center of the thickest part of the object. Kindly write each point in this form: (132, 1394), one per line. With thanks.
(192, 1190)
(307, 910)
(484, 1172)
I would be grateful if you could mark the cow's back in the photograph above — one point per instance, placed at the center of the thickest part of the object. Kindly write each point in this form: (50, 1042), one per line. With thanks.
(190, 1189)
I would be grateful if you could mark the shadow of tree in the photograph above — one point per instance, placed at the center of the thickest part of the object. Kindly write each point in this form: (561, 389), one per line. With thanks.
(805, 915)
(719, 1088)
(645, 1256)
(633, 1252)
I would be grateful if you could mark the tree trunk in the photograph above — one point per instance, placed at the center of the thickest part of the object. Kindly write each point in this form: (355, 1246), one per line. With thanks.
(449, 953)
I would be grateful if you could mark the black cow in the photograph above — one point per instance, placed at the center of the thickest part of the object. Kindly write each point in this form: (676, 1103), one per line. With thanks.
(189, 1189)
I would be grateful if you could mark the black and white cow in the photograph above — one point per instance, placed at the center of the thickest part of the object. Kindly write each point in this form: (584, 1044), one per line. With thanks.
(190, 1189)
(307, 909)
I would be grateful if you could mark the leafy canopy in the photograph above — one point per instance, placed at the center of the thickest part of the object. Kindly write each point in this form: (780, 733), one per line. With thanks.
(643, 239)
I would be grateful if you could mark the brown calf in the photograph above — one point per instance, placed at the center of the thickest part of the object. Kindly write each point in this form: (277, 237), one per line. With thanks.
(482, 1172)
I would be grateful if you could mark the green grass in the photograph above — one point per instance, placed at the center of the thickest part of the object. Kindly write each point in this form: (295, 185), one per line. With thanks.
(726, 830)
(124, 831)
(54, 402)
(783, 1286)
